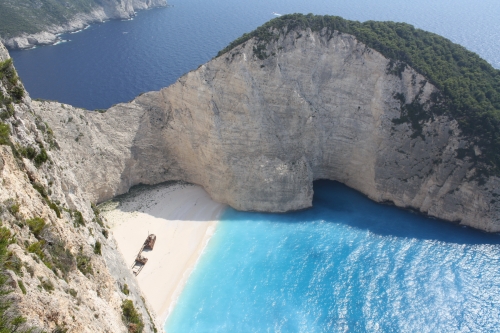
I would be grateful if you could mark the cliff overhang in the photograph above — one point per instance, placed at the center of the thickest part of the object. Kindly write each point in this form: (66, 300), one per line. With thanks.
(259, 123)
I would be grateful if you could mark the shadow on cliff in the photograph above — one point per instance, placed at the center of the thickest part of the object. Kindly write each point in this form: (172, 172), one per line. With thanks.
(336, 203)
(151, 199)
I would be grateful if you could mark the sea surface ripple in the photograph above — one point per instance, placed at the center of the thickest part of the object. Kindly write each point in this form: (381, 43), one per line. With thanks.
(346, 265)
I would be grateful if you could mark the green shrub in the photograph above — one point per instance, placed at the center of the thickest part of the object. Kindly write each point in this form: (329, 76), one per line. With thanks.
(105, 233)
(97, 248)
(13, 263)
(9, 321)
(125, 289)
(55, 208)
(6, 69)
(32, 154)
(14, 209)
(36, 248)
(4, 134)
(43, 192)
(59, 329)
(10, 110)
(84, 265)
(48, 285)
(78, 218)
(5, 240)
(97, 215)
(36, 225)
(10, 80)
(131, 317)
(30, 270)
(41, 158)
(12, 206)
(28, 152)
(61, 258)
(155, 330)
(21, 286)
(58, 258)
(17, 93)
(72, 292)
(40, 189)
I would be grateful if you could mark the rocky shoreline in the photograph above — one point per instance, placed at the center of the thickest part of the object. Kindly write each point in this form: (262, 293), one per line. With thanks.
(51, 34)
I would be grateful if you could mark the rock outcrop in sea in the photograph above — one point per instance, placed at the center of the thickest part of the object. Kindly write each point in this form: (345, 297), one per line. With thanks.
(258, 124)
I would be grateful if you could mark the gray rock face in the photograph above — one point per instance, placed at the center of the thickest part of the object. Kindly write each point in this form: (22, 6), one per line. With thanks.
(75, 302)
(256, 133)
(4, 54)
(105, 10)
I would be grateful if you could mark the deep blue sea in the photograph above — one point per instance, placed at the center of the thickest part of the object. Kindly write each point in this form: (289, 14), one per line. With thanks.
(116, 61)
(346, 265)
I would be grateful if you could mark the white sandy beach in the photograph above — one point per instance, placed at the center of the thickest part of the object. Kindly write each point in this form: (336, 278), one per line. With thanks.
(183, 217)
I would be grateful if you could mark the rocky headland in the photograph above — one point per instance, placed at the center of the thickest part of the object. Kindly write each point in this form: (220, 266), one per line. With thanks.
(255, 127)
(68, 19)
(255, 133)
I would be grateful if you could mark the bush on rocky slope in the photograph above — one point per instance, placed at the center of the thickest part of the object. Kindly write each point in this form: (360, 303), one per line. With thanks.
(10, 321)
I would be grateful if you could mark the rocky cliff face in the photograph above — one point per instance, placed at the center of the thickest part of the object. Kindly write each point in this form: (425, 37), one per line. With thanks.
(258, 124)
(101, 11)
(63, 269)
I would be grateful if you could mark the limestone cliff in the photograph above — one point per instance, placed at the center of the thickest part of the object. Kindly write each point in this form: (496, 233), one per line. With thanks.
(258, 124)
(64, 271)
(45, 26)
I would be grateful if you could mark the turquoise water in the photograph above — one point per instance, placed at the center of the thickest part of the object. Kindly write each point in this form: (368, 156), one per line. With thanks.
(346, 265)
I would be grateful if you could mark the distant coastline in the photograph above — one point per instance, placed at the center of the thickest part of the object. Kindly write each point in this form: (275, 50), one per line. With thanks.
(50, 35)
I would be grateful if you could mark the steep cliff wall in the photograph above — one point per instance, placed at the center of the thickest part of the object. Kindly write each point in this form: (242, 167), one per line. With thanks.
(44, 20)
(258, 124)
(64, 270)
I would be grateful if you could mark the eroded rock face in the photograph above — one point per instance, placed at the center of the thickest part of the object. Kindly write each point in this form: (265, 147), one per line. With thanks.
(256, 133)
(4, 55)
(50, 296)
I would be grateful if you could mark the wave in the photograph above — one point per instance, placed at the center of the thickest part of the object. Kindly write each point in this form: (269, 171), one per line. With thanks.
(79, 30)
(62, 41)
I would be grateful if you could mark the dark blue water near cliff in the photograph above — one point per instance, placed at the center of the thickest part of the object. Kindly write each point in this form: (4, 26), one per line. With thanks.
(346, 265)
(115, 61)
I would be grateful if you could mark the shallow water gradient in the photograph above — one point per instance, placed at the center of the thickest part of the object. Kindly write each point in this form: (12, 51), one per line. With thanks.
(346, 265)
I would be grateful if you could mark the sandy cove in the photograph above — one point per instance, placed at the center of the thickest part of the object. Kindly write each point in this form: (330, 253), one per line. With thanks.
(182, 216)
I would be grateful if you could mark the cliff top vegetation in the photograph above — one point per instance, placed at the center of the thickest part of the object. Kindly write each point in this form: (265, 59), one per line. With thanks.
(470, 85)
